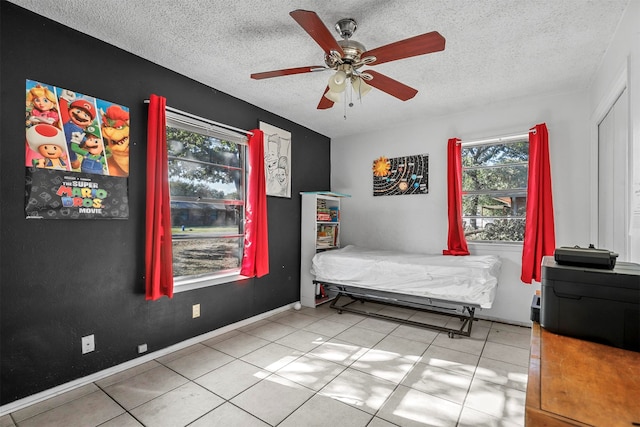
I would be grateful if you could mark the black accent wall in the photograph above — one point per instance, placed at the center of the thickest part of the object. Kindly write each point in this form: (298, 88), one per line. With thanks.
(64, 279)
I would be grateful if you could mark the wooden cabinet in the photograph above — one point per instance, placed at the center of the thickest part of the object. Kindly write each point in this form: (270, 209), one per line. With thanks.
(320, 231)
(580, 383)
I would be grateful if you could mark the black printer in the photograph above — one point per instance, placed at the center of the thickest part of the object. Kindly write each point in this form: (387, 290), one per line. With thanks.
(594, 304)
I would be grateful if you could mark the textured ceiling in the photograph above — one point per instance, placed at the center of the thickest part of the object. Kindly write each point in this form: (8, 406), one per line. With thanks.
(495, 49)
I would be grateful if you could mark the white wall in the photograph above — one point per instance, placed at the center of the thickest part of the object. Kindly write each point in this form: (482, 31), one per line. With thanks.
(419, 222)
(622, 60)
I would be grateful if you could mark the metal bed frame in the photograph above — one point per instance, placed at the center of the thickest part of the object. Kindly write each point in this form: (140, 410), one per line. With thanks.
(463, 311)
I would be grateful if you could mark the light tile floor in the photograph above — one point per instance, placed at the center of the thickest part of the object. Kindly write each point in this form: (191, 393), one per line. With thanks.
(312, 367)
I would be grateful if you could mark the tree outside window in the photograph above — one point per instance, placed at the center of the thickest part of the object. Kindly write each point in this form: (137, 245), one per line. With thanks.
(207, 181)
(494, 191)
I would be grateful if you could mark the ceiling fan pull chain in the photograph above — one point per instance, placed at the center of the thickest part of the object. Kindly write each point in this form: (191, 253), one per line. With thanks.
(345, 106)
(348, 93)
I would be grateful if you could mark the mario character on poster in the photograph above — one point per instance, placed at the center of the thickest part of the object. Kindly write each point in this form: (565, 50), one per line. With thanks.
(76, 155)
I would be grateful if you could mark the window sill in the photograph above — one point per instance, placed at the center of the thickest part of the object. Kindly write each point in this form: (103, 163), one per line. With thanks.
(191, 284)
(499, 246)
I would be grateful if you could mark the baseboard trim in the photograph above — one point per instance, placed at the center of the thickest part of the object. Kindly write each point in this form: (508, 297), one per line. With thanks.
(71, 385)
(526, 324)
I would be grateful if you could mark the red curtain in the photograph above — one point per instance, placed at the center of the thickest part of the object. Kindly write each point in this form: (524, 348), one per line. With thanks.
(539, 233)
(456, 242)
(158, 254)
(255, 261)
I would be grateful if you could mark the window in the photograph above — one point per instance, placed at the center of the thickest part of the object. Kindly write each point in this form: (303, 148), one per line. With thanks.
(494, 190)
(207, 179)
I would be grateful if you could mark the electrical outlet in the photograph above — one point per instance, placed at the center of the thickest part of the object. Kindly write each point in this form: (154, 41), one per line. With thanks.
(196, 310)
(88, 344)
(142, 348)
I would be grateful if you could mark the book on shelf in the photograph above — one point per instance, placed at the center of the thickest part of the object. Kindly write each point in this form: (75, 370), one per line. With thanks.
(334, 213)
(325, 246)
(327, 236)
(324, 212)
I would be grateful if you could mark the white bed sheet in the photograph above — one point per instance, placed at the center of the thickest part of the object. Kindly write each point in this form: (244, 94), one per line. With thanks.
(468, 279)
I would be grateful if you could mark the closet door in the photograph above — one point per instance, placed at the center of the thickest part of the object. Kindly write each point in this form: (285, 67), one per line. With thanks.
(613, 178)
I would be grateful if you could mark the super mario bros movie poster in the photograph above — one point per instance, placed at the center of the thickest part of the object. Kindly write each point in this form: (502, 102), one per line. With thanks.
(76, 155)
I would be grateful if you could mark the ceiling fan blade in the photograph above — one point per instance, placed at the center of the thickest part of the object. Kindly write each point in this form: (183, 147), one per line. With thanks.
(312, 24)
(325, 102)
(287, 72)
(414, 46)
(391, 86)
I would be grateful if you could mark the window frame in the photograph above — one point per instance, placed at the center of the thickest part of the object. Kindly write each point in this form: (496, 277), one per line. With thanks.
(191, 123)
(509, 192)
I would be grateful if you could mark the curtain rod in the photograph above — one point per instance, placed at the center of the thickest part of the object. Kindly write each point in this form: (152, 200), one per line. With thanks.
(505, 139)
(193, 116)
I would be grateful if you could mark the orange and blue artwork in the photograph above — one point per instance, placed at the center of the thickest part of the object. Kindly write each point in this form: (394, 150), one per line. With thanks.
(401, 175)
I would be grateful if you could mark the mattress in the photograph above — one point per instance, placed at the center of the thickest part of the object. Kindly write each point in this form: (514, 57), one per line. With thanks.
(471, 279)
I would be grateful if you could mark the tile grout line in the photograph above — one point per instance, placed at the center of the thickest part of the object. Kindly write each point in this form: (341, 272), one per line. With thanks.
(464, 401)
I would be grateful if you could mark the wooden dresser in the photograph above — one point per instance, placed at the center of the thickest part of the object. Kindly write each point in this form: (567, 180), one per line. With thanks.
(580, 383)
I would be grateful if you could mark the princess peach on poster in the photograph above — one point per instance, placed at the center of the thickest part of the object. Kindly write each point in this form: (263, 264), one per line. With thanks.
(42, 106)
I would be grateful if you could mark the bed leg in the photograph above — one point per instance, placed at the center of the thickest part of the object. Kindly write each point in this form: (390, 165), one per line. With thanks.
(471, 311)
(333, 304)
(339, 308)
(467, 323)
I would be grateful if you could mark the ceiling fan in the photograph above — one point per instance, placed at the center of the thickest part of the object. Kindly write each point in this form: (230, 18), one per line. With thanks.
(347, 56)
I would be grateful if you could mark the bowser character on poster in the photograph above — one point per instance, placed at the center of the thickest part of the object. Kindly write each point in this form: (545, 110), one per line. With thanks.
(115, 134)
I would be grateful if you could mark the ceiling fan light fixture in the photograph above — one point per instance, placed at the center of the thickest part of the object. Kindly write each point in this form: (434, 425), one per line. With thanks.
(340, 77)
(332, 96)
(360, 87)
(337, 82)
